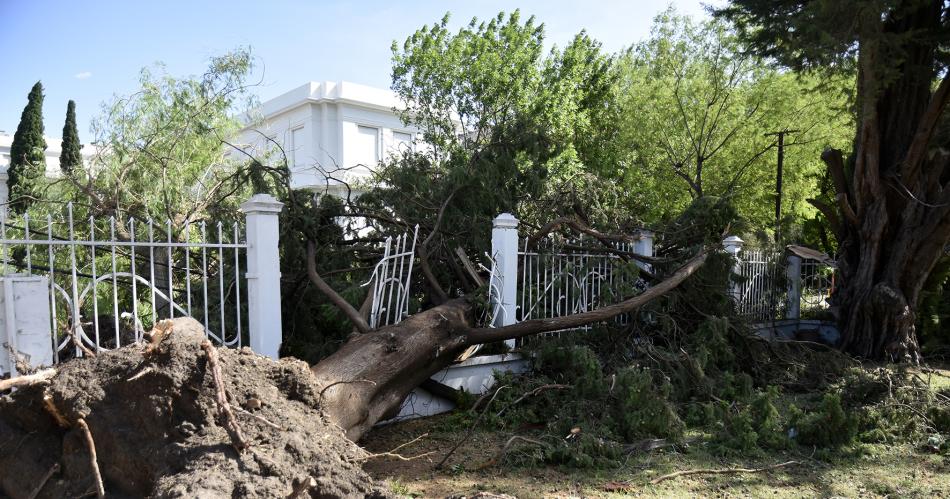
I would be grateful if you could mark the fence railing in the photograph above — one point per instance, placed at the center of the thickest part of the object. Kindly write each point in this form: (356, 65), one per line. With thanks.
(106, 291)
(528, 283)
(773, 285)
(390, 281)
(108, 281)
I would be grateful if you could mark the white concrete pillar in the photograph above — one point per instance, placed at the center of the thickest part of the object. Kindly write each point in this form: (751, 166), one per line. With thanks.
(644, 246)
(4, 193)
(263, 274)
(733, 245)
(793, 274)
(504, 249)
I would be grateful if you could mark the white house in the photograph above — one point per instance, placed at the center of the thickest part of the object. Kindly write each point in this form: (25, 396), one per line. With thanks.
(54, 147)
(333, 133)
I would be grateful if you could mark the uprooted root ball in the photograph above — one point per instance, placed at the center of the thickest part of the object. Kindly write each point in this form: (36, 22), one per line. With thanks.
(154, 420)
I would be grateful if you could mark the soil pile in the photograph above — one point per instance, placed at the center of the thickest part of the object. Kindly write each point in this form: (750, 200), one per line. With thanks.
(152, 413)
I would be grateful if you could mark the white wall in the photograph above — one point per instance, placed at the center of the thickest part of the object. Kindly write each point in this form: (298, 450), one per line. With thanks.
(319, 127)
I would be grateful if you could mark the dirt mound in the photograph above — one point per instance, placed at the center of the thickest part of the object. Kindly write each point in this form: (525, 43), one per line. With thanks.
(153, 416)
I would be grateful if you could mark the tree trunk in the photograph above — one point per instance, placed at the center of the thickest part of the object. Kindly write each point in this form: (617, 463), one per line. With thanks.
(892, 197)
(367, 379)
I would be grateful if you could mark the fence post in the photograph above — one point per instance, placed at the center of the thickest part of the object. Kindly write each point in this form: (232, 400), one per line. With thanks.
(263, 274)
(733, 245)
(793, 273)
(504, 249)
(4, 193)
(644, 246)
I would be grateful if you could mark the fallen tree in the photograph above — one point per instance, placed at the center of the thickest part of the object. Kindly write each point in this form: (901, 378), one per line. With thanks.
(161, 419)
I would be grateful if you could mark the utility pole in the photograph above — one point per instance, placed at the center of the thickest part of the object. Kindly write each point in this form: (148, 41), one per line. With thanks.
(778, 178)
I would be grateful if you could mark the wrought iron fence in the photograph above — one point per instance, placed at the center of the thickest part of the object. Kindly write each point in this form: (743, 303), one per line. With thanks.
(817, 286)
(572, 279)
(761, 287)
(390, 281)
(109, 281)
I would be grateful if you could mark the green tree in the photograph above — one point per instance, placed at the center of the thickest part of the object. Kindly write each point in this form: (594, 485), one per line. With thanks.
(71, 156)
(892, 197)
(698, 113)
(27, 153)
(507, 128)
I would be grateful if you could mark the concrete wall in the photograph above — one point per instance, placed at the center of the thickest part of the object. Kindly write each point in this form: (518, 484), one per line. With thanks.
(475, 375)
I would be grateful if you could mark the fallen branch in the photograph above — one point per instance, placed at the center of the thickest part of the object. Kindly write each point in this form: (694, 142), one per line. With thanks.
(504, 450)
(533, 393)
(720, 472)
(27, 380)
(93, 461)
(535, 326)
(344, 306)
(224, 408)
(392, 453)
(472, 428)
(42, 483)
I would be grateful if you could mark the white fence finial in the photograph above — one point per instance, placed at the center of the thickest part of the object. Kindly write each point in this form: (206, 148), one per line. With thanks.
(263, 274)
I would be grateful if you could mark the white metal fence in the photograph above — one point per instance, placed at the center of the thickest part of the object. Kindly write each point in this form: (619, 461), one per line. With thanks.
(109, 281)
(555, 281)
(773, 286)
(390, 281)
(761, 287)
(564, 281)
(105, 290)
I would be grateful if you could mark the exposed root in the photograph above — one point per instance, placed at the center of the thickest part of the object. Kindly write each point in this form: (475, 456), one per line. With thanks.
(27, 380)
(224, 408)
(93, 461)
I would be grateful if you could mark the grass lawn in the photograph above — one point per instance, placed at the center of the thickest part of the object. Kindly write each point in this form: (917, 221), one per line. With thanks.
(871, 471)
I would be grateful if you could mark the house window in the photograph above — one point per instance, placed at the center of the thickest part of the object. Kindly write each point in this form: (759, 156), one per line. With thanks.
(367, 145)
(402, 142)
(297, 142)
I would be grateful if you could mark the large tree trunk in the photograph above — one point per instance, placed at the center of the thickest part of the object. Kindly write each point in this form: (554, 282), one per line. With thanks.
(892, 197)
(367, 379)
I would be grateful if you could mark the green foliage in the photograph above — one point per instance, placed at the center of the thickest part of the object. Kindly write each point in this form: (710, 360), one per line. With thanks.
(698, 109)
(508, 129)
(828, 425)
(27, 156)
(71, 155)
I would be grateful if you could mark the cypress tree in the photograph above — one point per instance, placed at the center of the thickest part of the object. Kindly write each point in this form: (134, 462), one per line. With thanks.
(70, 157)
(27, 152)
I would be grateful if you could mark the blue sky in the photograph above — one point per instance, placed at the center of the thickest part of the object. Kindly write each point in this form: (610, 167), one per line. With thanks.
(90, 50)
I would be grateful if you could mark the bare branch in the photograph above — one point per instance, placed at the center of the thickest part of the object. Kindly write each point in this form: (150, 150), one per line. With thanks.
(344, 306)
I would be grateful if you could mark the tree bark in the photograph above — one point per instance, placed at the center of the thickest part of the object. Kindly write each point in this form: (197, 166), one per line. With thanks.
(894, 201)
(366, 380)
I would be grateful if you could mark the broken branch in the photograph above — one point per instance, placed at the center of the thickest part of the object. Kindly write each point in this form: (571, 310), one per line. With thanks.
(344, 306)
(534, 326)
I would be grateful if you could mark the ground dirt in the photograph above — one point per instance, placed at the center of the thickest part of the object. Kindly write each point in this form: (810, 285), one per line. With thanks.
(158, 434)
(879, 471)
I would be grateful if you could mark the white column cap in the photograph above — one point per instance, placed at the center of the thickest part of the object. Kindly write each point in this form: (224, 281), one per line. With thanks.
(262, 203)
(505, 221)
